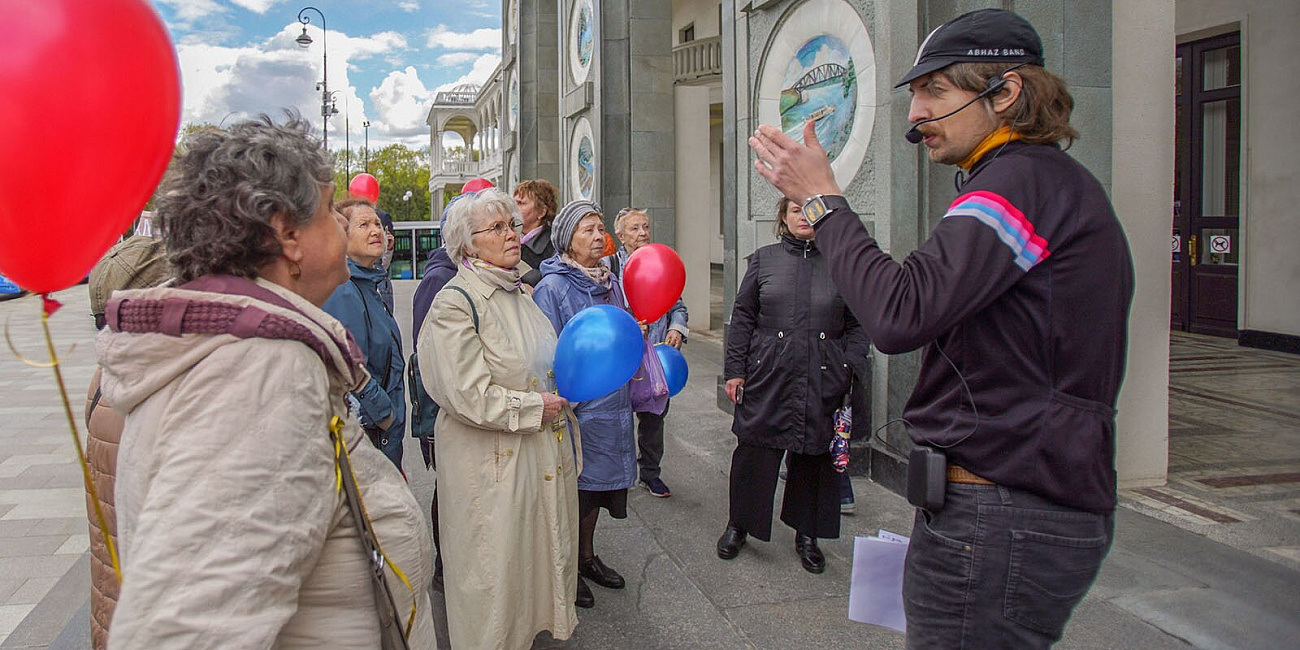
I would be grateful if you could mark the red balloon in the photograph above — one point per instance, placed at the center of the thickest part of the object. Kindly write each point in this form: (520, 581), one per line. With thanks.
(364, 186)
(476, 185)
(87, 124)
(653, 279)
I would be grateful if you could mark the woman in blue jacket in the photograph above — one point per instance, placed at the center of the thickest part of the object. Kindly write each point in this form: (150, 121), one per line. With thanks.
(381, 404)
(572, 280)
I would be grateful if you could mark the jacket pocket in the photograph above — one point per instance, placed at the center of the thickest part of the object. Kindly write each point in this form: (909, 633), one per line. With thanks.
(1049, 574)
(504, 454)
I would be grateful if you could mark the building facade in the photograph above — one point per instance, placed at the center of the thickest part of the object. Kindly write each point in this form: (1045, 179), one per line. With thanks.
(649, 103)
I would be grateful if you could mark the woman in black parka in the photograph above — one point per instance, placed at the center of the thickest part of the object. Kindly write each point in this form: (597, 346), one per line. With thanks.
(792, 349)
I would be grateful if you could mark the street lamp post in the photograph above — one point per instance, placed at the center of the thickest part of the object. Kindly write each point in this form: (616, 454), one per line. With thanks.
(366, 124)
(326, 106)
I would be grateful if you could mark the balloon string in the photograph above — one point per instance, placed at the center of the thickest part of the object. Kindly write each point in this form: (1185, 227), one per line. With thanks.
(76, 437)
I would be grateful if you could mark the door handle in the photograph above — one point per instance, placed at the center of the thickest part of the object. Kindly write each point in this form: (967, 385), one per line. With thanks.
(1191, 250)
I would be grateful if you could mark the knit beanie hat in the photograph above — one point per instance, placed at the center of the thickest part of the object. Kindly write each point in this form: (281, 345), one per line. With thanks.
(566, 222)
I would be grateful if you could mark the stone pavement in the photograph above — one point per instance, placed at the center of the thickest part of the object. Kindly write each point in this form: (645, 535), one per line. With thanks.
(1171, 581)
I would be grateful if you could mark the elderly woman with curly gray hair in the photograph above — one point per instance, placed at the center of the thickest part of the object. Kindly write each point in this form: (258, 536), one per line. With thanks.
(237, 440)
(507, 445)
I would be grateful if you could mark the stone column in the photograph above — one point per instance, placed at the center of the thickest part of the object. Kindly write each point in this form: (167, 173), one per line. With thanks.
(1142, 192)
(538, 67)
(694, 227)
(634, 105)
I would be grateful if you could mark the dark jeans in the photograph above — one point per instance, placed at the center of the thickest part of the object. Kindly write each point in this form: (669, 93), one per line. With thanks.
(999, 568)
(650, 442)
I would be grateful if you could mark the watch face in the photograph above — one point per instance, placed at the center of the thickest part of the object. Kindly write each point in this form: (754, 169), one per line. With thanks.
(814, 210)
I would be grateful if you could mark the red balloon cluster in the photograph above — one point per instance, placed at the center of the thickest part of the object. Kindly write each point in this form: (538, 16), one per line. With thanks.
(87, 124)
(364, 186)
(653, 279)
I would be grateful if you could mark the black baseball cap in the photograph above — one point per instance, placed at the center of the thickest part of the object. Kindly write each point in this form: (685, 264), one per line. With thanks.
(984, 36)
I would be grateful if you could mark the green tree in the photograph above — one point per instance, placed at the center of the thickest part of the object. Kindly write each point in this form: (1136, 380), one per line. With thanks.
(399, 170)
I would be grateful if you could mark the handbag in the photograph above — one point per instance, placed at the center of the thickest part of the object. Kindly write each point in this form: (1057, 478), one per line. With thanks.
(392, 636)
(649, 387)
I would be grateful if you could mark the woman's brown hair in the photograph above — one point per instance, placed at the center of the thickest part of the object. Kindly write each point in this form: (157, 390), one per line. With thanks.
(543, 194)
(1040, 115)
(782, 204)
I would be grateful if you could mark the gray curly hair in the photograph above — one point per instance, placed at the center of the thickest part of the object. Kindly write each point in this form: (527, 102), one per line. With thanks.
(469, 212)
(220, 199)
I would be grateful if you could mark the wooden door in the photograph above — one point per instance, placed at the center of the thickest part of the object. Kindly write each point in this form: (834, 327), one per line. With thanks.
(1206, 243)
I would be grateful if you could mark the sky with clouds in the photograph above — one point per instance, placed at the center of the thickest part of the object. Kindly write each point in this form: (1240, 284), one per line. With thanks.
(387, 59)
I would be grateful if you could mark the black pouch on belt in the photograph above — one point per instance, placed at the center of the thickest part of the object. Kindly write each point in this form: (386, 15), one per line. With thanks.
(927, 478)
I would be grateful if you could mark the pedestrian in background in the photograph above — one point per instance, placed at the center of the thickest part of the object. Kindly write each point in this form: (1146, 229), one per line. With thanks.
(381, 404)
(632, 227)
(508, 479)
(139, 262)
(438, 270)
(792, 350)
(232, 383)
(573, 280)
(537, 204)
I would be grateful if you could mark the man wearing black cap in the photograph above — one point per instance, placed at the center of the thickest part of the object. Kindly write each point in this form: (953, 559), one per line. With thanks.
(1020, 299)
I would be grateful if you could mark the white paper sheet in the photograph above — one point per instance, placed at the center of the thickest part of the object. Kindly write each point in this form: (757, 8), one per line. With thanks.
(876, 588)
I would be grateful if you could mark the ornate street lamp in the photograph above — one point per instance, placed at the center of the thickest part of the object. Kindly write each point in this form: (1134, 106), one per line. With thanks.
(327, 107)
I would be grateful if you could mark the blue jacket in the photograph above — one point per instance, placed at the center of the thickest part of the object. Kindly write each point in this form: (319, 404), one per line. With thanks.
(676, 317)
(438, 270)
(608, 442)
(358, 305)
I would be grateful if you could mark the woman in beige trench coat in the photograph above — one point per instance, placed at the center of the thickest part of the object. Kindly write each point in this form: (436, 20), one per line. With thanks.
(507, 446)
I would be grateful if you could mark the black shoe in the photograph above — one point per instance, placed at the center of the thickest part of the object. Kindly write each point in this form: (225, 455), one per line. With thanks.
(585, 599)
(597, 572)
(729, 544)
(809, 555)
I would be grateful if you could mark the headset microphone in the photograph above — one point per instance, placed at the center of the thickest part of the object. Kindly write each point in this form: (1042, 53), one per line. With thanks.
(995, 85)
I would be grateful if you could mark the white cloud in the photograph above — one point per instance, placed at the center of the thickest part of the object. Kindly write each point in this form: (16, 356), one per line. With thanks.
(256, 6)
(188, 11)
(222, 84)
(479, 39)
(456, 58)
(402, 102)
(409, 6)
(483, 67)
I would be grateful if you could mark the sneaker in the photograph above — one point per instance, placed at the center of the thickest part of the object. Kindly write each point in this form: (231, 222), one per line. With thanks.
(846, 506)
(657, 488)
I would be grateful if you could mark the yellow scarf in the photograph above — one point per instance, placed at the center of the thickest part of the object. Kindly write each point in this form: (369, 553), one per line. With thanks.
(1003, 135)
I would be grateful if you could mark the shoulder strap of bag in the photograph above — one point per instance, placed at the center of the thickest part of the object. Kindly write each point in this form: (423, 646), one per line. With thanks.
(392, 635)
(472, 309)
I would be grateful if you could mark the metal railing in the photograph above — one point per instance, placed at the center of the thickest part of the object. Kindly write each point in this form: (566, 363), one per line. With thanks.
(697, 59)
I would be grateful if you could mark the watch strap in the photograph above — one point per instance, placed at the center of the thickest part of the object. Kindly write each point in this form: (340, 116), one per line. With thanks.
(816, 208)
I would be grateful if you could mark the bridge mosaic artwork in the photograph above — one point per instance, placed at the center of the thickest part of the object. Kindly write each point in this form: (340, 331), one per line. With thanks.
(820, 65)
(821, 84)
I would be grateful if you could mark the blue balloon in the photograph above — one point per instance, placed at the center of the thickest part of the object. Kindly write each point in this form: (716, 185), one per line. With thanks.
(675, 370)
(599, 350)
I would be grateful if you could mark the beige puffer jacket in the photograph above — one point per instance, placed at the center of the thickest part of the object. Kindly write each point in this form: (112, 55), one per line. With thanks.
(104, 430)
(233, 534)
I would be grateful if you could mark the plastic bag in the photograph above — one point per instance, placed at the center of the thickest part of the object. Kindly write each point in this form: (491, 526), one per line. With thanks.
(649, 387)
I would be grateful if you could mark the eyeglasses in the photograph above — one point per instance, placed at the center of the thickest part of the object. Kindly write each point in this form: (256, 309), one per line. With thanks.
(500, 228)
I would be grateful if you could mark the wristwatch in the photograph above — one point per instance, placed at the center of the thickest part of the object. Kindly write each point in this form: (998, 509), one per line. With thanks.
(819, 206)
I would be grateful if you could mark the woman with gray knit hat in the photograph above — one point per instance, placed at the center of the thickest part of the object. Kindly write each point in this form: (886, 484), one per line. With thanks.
(574, 279)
